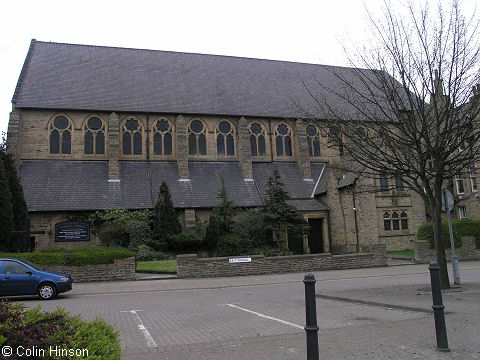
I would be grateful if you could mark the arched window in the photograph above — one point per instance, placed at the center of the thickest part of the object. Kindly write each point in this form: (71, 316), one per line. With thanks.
(60, 132)
(404, 220)
(313, 141)
(94, 136)
(225, 134)
(395, 221)
(197, 139)
(257, 139)
(162, 137)
(132, 137)
(386, 222)
(283, 140)
(362, 136)
(335, 136)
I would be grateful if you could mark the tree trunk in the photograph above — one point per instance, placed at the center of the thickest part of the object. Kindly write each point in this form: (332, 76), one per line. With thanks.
(436, 206)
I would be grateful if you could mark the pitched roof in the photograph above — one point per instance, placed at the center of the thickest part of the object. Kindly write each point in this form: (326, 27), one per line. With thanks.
(83, 77)
(59, 185)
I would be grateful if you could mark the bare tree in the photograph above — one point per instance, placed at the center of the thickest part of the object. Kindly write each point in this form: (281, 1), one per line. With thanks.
(406, 108)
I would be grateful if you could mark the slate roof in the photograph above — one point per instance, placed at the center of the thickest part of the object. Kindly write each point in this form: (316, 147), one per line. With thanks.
(58, 185)
(84, 77)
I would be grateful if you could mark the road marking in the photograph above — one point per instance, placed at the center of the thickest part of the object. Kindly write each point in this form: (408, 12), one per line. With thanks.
(266, 316)
(148, 338)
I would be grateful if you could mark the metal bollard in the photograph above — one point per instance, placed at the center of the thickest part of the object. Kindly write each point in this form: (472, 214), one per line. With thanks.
(311, 326)
(439, 316)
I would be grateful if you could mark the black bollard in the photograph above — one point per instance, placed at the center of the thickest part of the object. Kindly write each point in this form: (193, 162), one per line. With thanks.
(440, 328)
(311, 326)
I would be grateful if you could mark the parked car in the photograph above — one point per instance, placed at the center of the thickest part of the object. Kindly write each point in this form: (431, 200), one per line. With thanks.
(20, 277)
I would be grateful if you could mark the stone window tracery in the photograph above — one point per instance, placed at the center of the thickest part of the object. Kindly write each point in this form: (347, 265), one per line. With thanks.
(94, 136)
(197, 138)
(283, 140)
(162, 137)
(394, 221)
(132, 137)
(60, 135)
(386, 222)
(313, 141)
(225, 135)
(257, 139)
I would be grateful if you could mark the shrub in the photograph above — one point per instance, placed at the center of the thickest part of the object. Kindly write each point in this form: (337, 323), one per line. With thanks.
(113, 234)
(248, 226)
(140, 233)
(464, 227)
(73, 257)
(35, 329)
(165, 223)
(231, 245)
(221, 220)
(146, 253)
(188, 241)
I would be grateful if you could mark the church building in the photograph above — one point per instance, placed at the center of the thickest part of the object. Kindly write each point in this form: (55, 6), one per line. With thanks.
(96, 127)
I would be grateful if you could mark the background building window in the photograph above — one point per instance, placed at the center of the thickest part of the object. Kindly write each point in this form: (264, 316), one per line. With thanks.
(473, 179)
(399, 184)
(459, 182)
(404, 220)
(162, 137)
(384, 183)
(395, 221)
(313, 141)
(60, 131)
(94, 136)
(283, 140)
(386, 222)
(197, 140)
(462, 212)
(132, 137)
(225, 135)
(257, 139)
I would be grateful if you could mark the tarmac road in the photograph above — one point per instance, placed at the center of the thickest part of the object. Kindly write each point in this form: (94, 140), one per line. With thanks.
(376, 313)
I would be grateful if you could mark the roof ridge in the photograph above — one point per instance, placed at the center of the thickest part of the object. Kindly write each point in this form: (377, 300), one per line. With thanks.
(200, 54)
(18, 88)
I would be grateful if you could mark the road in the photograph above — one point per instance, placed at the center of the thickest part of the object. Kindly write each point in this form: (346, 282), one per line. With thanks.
(262, 317)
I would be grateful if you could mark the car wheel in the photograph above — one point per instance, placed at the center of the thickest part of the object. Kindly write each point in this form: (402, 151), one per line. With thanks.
(47, 291)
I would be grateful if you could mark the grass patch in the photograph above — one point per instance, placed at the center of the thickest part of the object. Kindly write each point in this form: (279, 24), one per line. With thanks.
(161, 267)
(407, 252)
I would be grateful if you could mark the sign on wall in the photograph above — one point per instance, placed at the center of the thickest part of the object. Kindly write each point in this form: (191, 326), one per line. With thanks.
(239, 260)
(67, 231)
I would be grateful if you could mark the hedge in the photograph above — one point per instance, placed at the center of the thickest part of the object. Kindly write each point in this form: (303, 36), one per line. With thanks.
(33, 329)
(94, 256)
(464, 227)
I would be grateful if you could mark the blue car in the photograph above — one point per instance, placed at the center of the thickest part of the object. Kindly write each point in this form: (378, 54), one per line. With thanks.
(20, 277)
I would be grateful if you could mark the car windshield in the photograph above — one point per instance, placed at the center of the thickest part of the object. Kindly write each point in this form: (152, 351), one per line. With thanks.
(29, 263)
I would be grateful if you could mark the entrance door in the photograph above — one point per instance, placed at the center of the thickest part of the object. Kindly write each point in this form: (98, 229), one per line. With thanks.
(315, 239)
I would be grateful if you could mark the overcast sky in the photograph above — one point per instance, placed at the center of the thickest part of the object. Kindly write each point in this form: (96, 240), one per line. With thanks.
(304, 30)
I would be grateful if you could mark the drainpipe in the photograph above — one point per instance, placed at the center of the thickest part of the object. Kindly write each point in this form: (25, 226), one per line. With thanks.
(355, 216)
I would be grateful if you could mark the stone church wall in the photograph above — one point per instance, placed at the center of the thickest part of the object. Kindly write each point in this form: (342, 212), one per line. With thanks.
(348, 229)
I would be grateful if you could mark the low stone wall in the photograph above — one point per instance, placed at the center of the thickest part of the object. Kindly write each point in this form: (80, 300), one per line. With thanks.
(192, 266)
(468, 251)
(123, 269)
